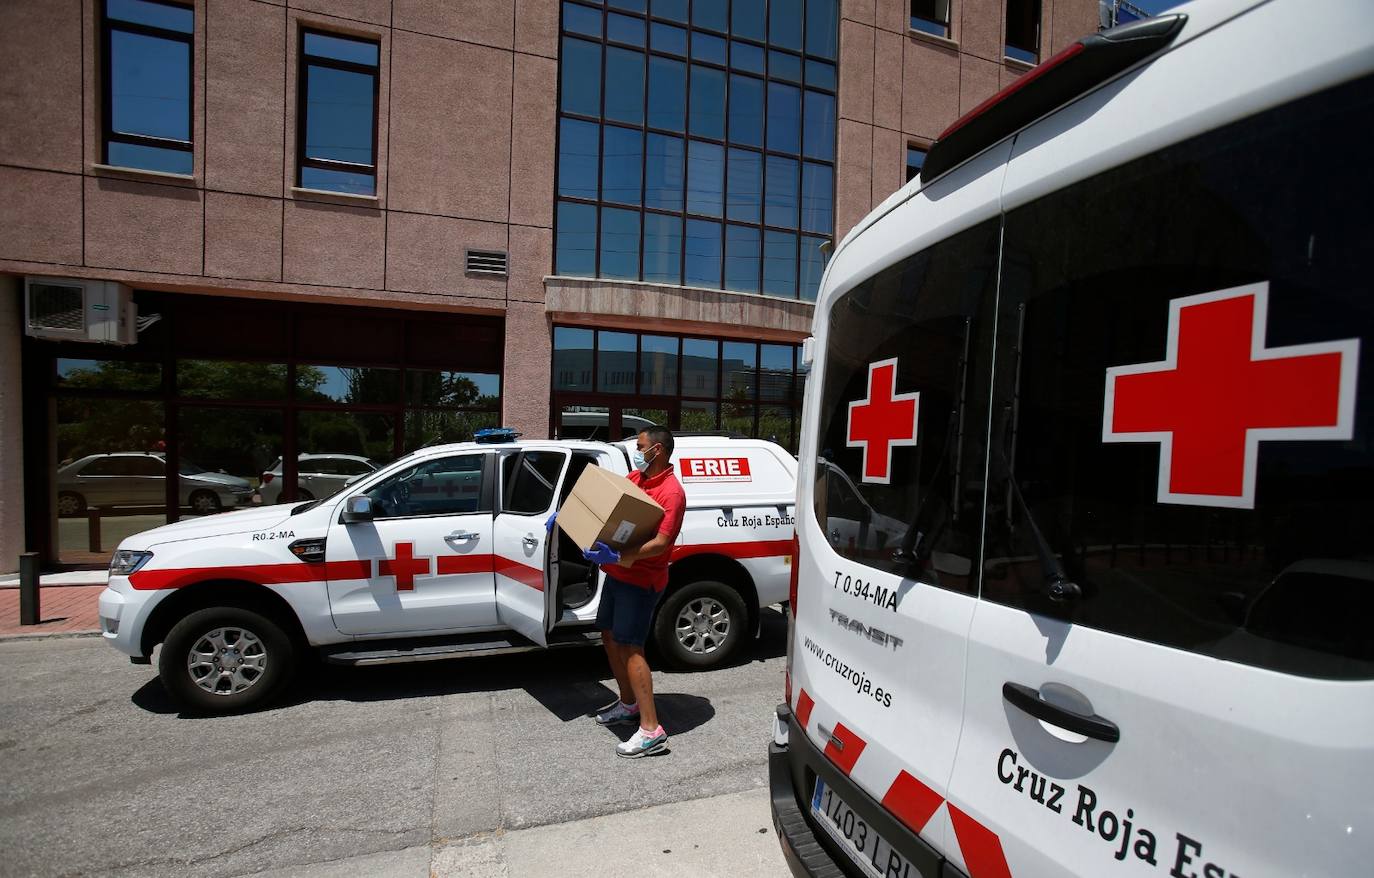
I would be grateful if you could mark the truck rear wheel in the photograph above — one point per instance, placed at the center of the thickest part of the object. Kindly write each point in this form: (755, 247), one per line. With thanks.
(225, 660)
(700, 625)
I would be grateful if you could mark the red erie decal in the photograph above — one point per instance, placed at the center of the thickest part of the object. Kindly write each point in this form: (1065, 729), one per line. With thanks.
(751, 549)
(522, 573)
(715, 469)
(804, 705)
(844, 756)
(981, 847)
(882, 420)
(262, 574)
(1219, 392)
(404, 567)
(911, 801)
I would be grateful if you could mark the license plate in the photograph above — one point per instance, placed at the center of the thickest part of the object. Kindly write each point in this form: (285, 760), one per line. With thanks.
(860, 841)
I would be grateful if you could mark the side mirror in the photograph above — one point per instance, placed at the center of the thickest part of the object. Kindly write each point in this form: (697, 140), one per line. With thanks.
(358, 509)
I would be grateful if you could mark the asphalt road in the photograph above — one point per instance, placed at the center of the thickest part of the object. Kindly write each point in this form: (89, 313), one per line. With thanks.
(100, 775)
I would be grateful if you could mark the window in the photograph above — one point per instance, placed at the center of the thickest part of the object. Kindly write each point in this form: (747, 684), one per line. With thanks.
(1023, 30)
(147, 82)
(921, 496)
(930, 16)
(696, 141)
(336, 136)
(915, 160)
(446, 486)
(530, 479)
(1284, 582)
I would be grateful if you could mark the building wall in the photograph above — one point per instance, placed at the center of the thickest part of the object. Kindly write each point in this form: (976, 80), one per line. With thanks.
(901, 87)
(466, 105)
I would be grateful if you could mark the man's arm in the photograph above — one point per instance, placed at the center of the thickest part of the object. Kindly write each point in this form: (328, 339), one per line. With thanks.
(660, 543)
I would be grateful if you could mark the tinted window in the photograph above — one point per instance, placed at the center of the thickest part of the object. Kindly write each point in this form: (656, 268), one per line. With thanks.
(780, 193)
(822, 28)
(747, 18)
(619, 243)
(708, 103)
(785, 23)
(576, 249)
(742, 258)
(905, 372)
(577, 158)
(784, 117)
(663, 172)
(744, 186)
(621, 164)
(820, 126)
(780, 263)
(148, 72)
(530, 480)
(338, 87)
(702, 246)
(1249, 547)
(746, 110)
(705, 178)
(662, 248)
(624, 85)
(817, 198)
(581, 77)
(446, 486)
(667, 93)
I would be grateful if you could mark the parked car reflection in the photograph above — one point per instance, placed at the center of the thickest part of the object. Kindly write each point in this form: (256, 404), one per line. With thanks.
(317, 476)
(137, 478)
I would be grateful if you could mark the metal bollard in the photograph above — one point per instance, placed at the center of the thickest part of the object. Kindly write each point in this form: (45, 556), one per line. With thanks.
(93, 529)
(30, 613)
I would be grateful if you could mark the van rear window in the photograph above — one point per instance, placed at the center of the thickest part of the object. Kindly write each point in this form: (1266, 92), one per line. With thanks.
(904, 405)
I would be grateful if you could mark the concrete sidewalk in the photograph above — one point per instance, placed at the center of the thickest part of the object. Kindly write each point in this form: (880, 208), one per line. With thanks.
(725, 836)
(63, 610)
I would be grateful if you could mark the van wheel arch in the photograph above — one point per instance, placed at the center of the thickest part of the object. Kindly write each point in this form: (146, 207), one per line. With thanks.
(723, 576)
(220, 593)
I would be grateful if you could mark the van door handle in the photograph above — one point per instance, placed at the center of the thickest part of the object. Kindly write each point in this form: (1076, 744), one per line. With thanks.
(462, 535)
(530, 541)
(1026, 699)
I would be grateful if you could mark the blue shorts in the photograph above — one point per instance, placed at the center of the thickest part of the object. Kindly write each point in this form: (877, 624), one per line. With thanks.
(626, 611)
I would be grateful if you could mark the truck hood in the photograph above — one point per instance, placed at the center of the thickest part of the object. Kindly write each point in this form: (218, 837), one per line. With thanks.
(223, 524)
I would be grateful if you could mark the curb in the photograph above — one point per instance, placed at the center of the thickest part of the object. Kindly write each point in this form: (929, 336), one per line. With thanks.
(49, 635)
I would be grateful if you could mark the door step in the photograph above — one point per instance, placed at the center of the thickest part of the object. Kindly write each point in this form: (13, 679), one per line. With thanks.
(428, 649)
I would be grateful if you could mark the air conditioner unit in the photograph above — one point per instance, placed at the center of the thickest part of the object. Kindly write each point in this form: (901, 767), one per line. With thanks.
(69, 309)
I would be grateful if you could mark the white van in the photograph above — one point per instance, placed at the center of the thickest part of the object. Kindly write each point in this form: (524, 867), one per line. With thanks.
(441, 554)
(1084, 566)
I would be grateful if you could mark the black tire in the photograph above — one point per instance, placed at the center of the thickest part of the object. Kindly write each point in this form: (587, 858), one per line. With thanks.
(209, 504)
(75, 504)
(198, 630)
(690, 650)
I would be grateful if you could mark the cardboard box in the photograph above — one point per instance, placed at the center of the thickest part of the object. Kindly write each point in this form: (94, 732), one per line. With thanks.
(610, 508)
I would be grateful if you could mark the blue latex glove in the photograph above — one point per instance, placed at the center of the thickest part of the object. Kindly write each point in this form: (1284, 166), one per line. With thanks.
(602, 554)
(548, 525)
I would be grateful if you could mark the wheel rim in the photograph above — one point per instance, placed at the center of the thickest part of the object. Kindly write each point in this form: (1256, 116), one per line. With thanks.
(702, 625)
(227, 661)
(67, 505)
(204, 504)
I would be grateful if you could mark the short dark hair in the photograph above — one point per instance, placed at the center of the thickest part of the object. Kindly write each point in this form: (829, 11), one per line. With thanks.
(660, 436)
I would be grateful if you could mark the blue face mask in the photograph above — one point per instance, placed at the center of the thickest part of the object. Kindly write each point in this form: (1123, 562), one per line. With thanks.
(639, 461)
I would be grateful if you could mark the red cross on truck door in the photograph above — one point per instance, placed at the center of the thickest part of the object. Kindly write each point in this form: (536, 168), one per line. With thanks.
(405, 567)
(1219, 392)
(881, 421)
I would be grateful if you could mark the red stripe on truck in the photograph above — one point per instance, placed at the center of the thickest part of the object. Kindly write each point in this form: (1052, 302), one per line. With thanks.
(911, 801)
(804, 704)
(752, 549)
(981, 847)
(844, 756)
(262, 574)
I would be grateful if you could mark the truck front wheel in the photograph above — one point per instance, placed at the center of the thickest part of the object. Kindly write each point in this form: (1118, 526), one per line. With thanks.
(225, 660)
(700, 625)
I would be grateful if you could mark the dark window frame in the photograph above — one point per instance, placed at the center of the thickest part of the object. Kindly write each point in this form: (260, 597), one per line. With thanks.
(935, 27)
(914, 171)
(108, 135)
(304, 62)
(1024, 54)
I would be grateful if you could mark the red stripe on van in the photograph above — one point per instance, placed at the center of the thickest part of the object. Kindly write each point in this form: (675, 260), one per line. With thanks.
(804, 704)
(521, 573)
(262, 574)
(982, 849)
(911, 801)
(844, 758)
(455, 564)
(752, 549)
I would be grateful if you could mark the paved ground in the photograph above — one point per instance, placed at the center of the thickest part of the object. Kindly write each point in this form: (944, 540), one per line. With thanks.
(63, 609)
(471, 767)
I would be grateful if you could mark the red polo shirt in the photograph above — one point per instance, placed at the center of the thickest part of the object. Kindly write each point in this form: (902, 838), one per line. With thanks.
(667, 492)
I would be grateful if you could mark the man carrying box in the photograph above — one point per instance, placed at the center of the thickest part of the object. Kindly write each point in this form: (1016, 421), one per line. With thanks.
(635, 579)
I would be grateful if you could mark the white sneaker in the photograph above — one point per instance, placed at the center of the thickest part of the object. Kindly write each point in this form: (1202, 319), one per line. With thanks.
(620, 712)
(643, 743)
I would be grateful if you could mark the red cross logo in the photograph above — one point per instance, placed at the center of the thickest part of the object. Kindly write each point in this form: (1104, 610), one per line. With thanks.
(1219, 392)
(405, 567)
(884, 419)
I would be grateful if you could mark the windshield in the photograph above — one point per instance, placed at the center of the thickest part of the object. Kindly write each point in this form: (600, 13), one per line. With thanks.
(189, 468)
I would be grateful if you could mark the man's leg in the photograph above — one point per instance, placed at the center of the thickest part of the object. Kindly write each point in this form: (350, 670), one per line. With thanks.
(615, 654)
(642, 682)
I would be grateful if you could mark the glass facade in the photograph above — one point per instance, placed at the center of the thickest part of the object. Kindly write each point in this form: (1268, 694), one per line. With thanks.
(608, 384)
(696, 142)
(199, 418)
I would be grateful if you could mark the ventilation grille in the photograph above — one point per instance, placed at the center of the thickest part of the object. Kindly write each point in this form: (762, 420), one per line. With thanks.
(492, 262)
(57, 307)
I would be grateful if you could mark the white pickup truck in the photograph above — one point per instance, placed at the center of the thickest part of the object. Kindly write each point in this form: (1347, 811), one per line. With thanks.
(448, 557)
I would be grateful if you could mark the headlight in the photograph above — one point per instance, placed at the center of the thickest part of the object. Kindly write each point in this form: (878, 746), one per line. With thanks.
(127, 562)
